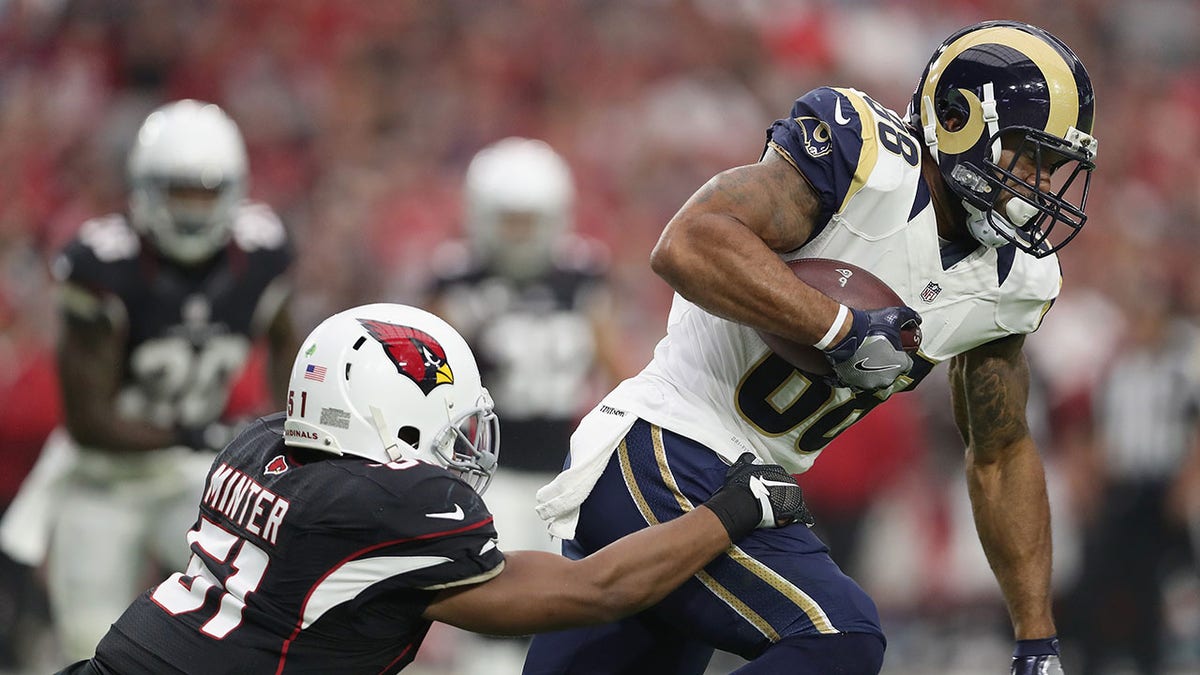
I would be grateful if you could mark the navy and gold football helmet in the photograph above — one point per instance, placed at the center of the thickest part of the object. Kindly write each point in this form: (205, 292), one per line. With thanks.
(1005, 84)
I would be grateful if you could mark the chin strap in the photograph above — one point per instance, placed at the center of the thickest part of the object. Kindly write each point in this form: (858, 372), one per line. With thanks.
(985, 226)
(991, 118)
(989, 227)
(391, 444)
(930, 127)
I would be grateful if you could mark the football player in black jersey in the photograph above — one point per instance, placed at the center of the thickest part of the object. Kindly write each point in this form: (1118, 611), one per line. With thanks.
(161, 308)
(533, 300)
(331, 536)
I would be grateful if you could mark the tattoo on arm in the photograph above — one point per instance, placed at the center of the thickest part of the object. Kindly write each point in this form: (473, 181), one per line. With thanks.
(990, 387)
(769, 198)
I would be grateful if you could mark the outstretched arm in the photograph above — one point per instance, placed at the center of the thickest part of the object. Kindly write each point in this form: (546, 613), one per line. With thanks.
(539, 591)
(1005, 479)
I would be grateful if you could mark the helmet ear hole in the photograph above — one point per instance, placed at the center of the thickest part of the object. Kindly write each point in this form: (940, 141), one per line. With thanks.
(410, 435)
(954, 120)
(953, 110)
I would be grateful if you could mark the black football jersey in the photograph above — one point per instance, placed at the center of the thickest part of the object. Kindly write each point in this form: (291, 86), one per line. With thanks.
(533, 340)
(306, 562)
(188, 330)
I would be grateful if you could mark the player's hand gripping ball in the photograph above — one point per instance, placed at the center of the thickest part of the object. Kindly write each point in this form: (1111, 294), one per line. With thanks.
(850, 285)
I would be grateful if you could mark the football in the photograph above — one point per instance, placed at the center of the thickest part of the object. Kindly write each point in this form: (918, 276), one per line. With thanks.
(850, 285)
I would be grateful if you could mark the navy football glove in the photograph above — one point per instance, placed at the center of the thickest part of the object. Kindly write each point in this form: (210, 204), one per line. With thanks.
(1036, 657)
(758, 495)
(871, 355)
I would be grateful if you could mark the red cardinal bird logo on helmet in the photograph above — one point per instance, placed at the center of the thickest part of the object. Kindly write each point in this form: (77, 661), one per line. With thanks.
(415, 353)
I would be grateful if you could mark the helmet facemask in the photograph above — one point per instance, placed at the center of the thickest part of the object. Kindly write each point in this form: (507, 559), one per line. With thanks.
(470, 445)
(188, 222)
(1036, 222)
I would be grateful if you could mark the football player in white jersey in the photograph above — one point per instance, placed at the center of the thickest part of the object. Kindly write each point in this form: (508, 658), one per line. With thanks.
(161, 307)
(959, 206)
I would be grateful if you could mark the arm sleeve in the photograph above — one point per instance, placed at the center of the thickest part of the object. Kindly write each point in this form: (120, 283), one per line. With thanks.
(823, 139)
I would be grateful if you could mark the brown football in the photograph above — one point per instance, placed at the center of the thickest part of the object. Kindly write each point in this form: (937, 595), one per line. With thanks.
(850, 285)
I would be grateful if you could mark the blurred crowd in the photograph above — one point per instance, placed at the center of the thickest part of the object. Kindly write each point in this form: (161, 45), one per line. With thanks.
(360, 118)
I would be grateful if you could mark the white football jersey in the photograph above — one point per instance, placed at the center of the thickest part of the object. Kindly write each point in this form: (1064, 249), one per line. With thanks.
(715, 381)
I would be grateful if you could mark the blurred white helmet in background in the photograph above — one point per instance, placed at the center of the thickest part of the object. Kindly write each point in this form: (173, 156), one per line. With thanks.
(187, 173)
(519, 200)
(389, 382)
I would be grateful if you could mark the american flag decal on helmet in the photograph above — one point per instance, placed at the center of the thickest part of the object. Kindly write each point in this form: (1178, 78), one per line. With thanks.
(931, 291)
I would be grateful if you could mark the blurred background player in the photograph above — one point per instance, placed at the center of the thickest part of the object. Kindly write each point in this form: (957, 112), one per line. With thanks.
(1134, 475)
(160, 311)
(533, 300)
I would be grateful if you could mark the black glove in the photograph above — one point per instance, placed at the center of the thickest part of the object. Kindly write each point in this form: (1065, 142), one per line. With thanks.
(1036, 657)
(758, 495)
(212, 437)
(871, 357)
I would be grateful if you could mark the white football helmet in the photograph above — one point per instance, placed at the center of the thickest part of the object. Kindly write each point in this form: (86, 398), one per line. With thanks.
(519, 197)
(388, 382)
(187, 174)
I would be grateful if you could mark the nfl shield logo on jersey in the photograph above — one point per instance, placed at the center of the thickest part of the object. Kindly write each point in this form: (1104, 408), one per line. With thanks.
(931, 291)
(276, 466)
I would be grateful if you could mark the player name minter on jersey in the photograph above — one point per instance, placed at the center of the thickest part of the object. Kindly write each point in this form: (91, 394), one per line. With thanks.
(232, 493)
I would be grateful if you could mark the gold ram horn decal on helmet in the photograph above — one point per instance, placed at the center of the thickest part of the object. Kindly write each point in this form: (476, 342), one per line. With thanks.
(1064, 95)
(955, 142)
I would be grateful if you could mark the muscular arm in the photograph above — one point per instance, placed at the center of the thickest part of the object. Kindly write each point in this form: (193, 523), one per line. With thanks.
(1005, 479)
(539, 591)
(89, 373)
(721, 249)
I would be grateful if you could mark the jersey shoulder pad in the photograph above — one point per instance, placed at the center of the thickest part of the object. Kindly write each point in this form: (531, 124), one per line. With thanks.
(404, 493)
(423, 511)
(100, 243)
(261, 237)
(1027, 291)
(453, 261)
(100, 262)
(256, 227)
(834, 138)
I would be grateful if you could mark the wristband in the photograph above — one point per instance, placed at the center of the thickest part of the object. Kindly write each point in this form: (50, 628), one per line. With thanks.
(1043, 647)
(737, 509)
(836, 326)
